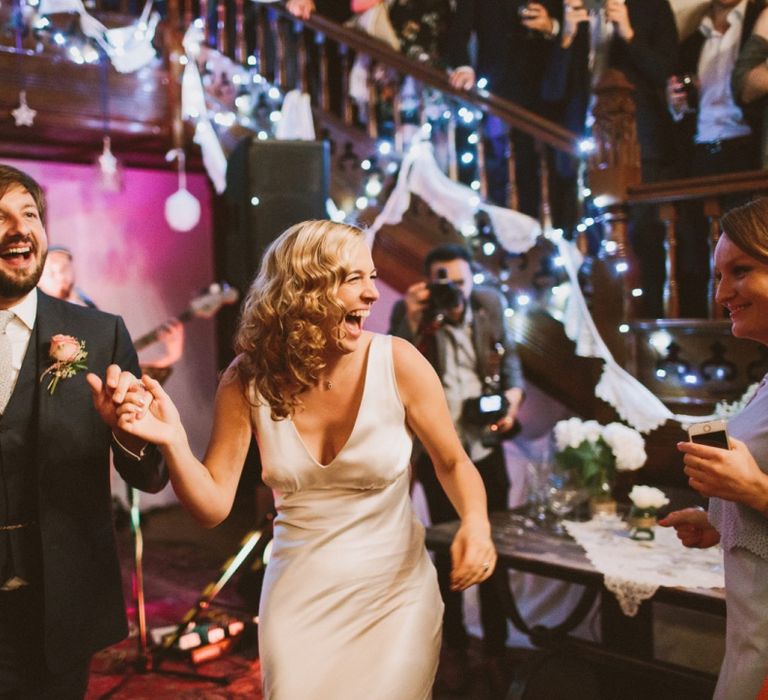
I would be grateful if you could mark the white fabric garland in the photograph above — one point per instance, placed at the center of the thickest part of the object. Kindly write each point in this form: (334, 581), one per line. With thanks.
(421, 175)
(193, 106)
(296, 118)
(517, 233)
(128, 48)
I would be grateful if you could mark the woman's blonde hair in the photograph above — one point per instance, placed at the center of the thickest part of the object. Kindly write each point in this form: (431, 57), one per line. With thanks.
(291, 309)
(747, 227)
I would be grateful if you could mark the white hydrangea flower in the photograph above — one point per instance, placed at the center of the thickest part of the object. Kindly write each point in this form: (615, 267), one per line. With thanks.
(627, 445)
(647, 497)
(569, 433)
(592, 430)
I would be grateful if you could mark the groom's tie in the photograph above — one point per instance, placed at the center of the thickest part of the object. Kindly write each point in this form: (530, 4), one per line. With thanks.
(6, 366)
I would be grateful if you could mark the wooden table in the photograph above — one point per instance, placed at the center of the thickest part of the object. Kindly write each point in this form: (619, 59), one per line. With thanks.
(627, 642)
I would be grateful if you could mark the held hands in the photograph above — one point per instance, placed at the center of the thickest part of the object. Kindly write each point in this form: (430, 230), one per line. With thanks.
(692, 527)
(138, 409)
(156, 421)
(110, 393)
(108, 397)
(732, 475)
(472, 554)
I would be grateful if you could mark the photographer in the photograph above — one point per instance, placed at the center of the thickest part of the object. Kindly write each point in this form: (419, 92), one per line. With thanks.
(462, 332)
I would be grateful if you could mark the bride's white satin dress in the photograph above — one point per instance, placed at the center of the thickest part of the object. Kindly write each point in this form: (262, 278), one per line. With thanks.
(350, 608)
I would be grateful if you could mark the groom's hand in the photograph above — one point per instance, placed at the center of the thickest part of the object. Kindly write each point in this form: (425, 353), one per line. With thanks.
(110, 393)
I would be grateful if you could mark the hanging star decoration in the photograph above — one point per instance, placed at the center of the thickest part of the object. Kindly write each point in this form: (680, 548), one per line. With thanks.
(24, 115)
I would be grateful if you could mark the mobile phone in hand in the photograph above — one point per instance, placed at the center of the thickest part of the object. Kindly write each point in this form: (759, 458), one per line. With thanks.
(712, 433)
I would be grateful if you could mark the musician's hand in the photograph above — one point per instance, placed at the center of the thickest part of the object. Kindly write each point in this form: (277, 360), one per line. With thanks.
(171, 334)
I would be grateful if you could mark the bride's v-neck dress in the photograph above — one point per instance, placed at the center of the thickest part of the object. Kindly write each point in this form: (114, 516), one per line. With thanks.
(350, 608)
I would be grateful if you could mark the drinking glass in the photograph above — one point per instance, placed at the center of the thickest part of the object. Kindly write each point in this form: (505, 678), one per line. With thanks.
(537, 477)
(564, 493)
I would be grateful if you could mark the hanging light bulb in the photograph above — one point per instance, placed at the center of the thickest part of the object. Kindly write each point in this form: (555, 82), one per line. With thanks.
(110, 175)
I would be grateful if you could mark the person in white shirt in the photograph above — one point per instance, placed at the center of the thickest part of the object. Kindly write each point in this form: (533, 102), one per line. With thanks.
(714, 132)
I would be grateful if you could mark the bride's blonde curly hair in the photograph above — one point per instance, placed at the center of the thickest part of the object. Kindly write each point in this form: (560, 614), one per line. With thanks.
(291, 310)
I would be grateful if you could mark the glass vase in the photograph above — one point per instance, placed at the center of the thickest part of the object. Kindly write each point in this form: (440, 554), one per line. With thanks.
(642, 523)
(602, 504)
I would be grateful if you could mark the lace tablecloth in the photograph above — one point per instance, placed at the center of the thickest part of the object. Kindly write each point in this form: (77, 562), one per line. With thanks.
(634, 570)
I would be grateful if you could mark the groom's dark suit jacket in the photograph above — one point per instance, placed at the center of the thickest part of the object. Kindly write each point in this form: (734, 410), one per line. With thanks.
(54, 470)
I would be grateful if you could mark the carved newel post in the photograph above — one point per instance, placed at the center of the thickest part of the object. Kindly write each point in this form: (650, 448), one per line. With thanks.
(612, 167)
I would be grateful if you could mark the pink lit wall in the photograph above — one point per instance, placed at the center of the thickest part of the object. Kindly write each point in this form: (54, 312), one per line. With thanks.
(130, 262)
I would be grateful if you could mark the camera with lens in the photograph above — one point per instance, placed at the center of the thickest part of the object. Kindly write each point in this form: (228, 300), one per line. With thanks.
(444, 295)
(485, 410)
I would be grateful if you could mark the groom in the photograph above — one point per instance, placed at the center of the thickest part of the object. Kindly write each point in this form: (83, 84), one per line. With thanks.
(60, 587)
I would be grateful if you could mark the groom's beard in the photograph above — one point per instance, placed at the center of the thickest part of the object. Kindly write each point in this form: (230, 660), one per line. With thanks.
(18, 283)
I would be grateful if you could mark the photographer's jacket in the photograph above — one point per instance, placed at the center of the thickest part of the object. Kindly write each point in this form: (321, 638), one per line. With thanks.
(485, 363)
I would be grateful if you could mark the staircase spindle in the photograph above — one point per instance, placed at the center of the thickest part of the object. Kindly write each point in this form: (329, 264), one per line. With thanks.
(278, 27)
(346, 100)
(397, 118)
(222, 44)
(373, 99)
(713, 211)
(513, 201)
(453, 164)
(261, 41)
(324, 89)
(206, 24)
(240, 48)
(482, 174)
(545, 210)
(668, 216)
(302, 64)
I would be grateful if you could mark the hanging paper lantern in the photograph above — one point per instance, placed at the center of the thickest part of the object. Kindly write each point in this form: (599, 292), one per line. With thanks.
(182, 209)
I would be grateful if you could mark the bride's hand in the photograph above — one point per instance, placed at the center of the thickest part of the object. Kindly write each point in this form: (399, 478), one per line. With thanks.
(472, 554)
(147, 412)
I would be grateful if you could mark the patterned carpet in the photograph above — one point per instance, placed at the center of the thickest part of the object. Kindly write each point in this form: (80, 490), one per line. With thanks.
(180, 559)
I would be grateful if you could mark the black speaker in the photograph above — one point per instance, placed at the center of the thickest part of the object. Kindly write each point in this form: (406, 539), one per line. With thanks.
(271, 185)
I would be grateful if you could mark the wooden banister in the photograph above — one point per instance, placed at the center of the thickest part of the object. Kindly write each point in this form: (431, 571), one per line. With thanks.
(685, 189)
(517, 117)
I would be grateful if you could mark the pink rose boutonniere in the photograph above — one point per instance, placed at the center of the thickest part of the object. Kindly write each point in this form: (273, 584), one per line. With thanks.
(68, 355)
